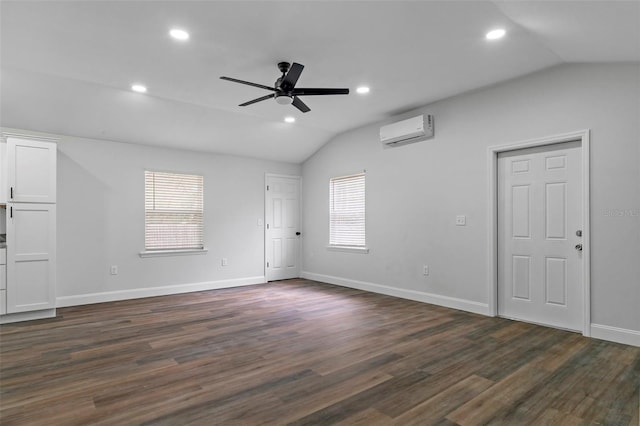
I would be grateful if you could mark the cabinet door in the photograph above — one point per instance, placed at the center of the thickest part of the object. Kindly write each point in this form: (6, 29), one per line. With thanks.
(31, 253)
(31, 167)
(3, 172)
(3, 288)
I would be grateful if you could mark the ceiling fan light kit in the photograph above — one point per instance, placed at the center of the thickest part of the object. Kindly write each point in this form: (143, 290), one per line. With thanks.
(285, 91)
(284, 99)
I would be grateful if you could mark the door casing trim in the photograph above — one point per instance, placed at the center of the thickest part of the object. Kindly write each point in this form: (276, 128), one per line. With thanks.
(492, 169)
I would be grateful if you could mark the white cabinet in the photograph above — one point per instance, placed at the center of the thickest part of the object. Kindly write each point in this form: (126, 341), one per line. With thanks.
(3, 172)
(31, 230)
(3, 281)
(31, 171)
(31, 257)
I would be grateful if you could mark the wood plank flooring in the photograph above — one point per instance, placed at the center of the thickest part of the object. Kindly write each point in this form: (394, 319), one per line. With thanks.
(305, 353)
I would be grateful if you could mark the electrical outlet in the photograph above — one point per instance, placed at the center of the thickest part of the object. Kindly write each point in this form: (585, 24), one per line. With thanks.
(461, 220)
(114, 270)
(425, 270)
(225, 262)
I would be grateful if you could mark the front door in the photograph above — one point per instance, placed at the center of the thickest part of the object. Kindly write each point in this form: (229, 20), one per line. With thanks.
(282, 228)
(539, 235)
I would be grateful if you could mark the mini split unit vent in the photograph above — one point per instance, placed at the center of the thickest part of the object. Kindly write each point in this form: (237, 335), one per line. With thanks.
(407, 131)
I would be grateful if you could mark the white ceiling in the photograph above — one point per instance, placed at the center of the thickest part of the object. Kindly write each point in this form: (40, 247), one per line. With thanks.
(67, 66)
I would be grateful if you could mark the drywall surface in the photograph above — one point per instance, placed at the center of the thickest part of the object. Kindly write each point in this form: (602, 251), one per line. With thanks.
(100, 210)
(414, 192)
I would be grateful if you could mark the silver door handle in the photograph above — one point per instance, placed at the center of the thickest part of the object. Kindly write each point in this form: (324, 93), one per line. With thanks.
(579, 247)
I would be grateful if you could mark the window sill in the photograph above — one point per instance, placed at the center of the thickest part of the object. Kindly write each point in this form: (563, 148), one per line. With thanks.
(160, 253)
(349, 249)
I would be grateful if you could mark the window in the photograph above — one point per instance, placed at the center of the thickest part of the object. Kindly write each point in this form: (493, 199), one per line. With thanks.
(173, 211)
(346, 211)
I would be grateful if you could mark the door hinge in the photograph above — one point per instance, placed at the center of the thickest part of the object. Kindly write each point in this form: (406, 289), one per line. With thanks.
(267, 187)
(267, 226)
(267, 264)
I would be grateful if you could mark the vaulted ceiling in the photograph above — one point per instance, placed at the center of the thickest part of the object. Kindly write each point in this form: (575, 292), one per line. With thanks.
(67, 66)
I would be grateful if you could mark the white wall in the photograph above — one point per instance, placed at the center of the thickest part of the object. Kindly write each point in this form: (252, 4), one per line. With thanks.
(414, 192)
(100, 210)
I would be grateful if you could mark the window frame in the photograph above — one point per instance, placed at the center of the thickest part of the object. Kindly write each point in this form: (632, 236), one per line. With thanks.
(172, 251)
(352, 248)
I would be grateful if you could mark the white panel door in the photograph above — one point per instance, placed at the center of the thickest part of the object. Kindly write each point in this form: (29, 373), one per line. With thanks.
(31, 171)
(31, 251)
(282, 228)
(539, 227)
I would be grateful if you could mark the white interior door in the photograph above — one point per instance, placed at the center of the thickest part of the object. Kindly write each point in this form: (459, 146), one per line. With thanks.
(282, 228)
(539, 235)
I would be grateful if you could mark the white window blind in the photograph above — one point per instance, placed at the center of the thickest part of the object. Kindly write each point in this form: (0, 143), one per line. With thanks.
(346, 211)
(173, 211)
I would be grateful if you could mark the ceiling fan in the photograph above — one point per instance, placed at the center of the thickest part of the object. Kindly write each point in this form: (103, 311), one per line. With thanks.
(285, 91)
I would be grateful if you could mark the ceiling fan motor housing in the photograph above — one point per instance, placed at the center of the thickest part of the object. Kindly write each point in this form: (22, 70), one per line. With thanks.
(282, 96)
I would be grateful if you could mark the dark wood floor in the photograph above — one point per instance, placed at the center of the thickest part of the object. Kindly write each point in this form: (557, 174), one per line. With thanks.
(301, 352)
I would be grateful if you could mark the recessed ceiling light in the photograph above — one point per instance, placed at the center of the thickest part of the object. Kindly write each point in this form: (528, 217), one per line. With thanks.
(290, 119)
(495, 34)
(362, 90)
(138, 88)
(179, 34)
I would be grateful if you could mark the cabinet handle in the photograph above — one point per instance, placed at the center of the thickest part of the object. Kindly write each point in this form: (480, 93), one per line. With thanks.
(11, 212)
(11, 192)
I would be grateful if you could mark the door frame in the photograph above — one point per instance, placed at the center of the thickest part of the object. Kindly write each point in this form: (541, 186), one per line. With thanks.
(492, 167)
(264, 220)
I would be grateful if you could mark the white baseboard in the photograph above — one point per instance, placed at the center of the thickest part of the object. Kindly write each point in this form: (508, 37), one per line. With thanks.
(111, 296)
(27, 316)
(615, 334)
(419, 296)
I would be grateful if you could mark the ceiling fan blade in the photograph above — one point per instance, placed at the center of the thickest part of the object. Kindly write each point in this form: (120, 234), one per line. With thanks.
(297, 102)
(314, 92)
(292, 76)
(264, 98)
(235, 80)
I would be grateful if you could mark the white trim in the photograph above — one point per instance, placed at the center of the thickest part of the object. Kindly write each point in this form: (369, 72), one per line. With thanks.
(177, 252)
(30, 137)
(111, 296)
(27, 316)
(349, 249)
(419, 296)
(281, 176)
(615, 334)
(492, 168)
(586, 232)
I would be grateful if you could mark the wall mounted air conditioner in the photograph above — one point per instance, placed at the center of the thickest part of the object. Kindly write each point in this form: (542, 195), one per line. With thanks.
(407, 131)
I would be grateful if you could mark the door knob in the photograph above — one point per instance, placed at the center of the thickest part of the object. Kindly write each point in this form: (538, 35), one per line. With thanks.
(579, 247)
(579, 232)
(297, 233)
